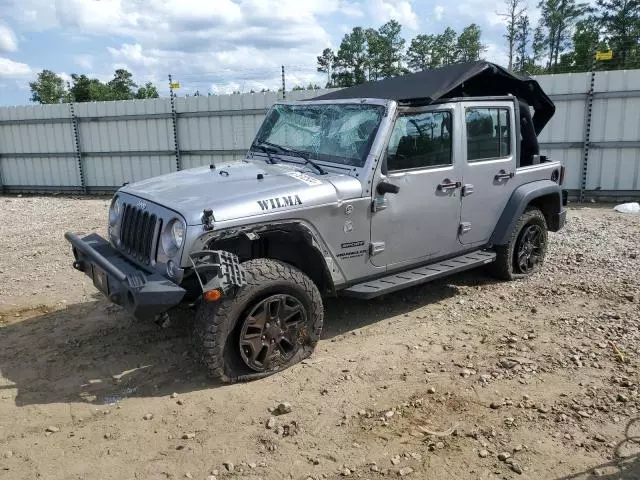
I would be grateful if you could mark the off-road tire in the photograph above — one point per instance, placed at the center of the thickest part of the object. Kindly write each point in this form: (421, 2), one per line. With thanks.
(504, 266)
(217, 327)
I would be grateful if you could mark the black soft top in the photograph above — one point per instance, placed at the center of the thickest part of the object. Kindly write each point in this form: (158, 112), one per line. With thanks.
(471, 79)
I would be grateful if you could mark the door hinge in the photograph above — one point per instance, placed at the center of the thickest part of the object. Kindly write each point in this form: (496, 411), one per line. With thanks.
(464, 227)
(467, 189)
(376, 247)
(378, 203)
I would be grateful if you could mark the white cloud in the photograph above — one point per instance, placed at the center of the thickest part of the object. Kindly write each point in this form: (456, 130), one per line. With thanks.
(402, 11)
(438, 11)
(8, 40)
(11, 69)
(496, 53)
(351, 9)
(85, 61)
(133, 54)
(479, 12)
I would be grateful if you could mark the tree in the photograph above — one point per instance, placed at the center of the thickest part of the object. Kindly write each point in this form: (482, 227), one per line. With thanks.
(557, 18)
(389, 48)
(586, 38)
(446, 49)
(513, 15)
(81, 89)
(420, 55)
(48, 88)
(374, 53)
(469, 46)
(122, 85)
(297, 87)
(351, 59)
(325, 64)
(100, 92)
(150, 91)
(620, 20)
(521, 46)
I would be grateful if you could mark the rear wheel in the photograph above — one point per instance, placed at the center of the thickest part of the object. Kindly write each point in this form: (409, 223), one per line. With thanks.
(527, 247)
(273, 322)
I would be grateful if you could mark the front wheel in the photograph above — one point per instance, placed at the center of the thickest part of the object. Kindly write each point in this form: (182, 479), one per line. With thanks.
(273, 322)
(527, 247)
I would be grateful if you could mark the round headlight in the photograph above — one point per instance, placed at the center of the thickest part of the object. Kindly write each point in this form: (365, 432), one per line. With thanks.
(177, 233)
(173, 237)
(115, 211)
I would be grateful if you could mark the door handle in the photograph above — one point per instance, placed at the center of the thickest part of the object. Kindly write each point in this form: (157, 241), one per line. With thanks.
(448, 185)
(502, 175)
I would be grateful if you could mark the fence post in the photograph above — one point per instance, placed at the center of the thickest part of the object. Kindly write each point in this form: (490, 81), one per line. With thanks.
(284, 89)
(587, 129)
(1, 180)
(174, 120)
(76, 142)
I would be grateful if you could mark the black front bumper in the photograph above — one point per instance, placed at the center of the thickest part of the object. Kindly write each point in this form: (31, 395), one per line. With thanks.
(142, 293)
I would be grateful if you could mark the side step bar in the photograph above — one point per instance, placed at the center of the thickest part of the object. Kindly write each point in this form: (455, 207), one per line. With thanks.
(416, 276)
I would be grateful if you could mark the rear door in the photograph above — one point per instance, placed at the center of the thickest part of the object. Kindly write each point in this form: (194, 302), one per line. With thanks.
(490, 162)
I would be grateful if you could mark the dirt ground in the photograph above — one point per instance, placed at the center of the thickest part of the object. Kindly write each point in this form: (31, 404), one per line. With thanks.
(465, 378)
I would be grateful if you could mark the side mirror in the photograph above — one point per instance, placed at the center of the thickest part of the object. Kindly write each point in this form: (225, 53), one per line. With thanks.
(386, 187)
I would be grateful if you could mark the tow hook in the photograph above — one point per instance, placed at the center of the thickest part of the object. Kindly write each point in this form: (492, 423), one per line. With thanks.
(79, 265)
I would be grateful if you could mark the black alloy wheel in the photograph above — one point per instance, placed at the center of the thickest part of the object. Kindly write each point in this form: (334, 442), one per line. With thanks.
(530, 249)
(271, 332)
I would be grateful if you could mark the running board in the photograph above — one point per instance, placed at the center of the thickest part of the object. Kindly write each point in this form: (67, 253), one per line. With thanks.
(416, 276)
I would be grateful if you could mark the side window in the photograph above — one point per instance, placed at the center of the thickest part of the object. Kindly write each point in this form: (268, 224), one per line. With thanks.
(488, 133)
(420, 140)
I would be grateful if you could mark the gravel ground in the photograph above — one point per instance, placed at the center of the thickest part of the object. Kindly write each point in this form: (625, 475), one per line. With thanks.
(466, 378)
(36, 258)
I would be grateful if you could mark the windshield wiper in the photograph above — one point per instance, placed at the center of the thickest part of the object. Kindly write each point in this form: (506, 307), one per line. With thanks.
(266, 150)
(297, 153)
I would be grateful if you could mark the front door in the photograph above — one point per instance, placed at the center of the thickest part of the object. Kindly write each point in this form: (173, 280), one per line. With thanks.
(421, 220)
(488, 170)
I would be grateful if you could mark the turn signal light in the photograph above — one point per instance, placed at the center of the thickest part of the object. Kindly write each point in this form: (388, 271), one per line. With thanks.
(212, 295)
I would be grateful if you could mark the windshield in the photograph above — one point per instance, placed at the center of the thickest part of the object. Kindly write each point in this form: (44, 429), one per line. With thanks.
(338, 133)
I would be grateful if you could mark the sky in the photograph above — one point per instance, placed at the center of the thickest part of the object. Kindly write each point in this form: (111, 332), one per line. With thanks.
(213, 46)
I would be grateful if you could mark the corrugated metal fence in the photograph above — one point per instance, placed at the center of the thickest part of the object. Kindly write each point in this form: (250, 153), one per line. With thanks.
(596, 131)
(96, 147)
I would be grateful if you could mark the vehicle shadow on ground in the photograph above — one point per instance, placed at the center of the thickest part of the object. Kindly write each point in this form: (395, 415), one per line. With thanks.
(94, 352)
(625, 466)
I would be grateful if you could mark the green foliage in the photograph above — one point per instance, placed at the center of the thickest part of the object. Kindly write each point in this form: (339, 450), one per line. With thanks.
(469, 48)
(149, 90)
(620, 23)
(514, 14)
(326, 62)
(352, 59)
(556, 22)
(48, 88)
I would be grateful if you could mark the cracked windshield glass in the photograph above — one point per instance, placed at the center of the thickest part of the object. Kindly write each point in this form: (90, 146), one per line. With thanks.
(338, 133)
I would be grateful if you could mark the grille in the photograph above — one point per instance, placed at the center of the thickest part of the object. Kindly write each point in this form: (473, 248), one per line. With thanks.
(137, 232)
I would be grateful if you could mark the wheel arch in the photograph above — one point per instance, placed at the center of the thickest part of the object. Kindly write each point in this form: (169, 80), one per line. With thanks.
(543, 194)
(293, 243)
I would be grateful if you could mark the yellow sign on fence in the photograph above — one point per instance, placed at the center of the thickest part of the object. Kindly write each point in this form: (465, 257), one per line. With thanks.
(174, 85)
(608, 55)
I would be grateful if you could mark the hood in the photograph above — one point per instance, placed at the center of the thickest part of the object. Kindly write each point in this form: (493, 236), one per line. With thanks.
(243, 189)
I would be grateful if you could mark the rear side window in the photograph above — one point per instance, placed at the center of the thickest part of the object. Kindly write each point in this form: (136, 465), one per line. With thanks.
(420, 140)
(488, 133)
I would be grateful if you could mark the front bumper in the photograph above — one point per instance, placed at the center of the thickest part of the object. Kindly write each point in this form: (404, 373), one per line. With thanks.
(142, 293)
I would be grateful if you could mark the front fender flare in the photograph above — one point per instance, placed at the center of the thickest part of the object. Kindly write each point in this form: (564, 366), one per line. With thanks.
(519, 201)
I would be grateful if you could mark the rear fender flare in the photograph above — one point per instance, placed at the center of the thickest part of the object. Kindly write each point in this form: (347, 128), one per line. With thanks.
(521, 198)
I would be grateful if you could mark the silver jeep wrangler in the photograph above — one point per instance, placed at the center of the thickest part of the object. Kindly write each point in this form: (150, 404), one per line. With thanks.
(360, 192)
